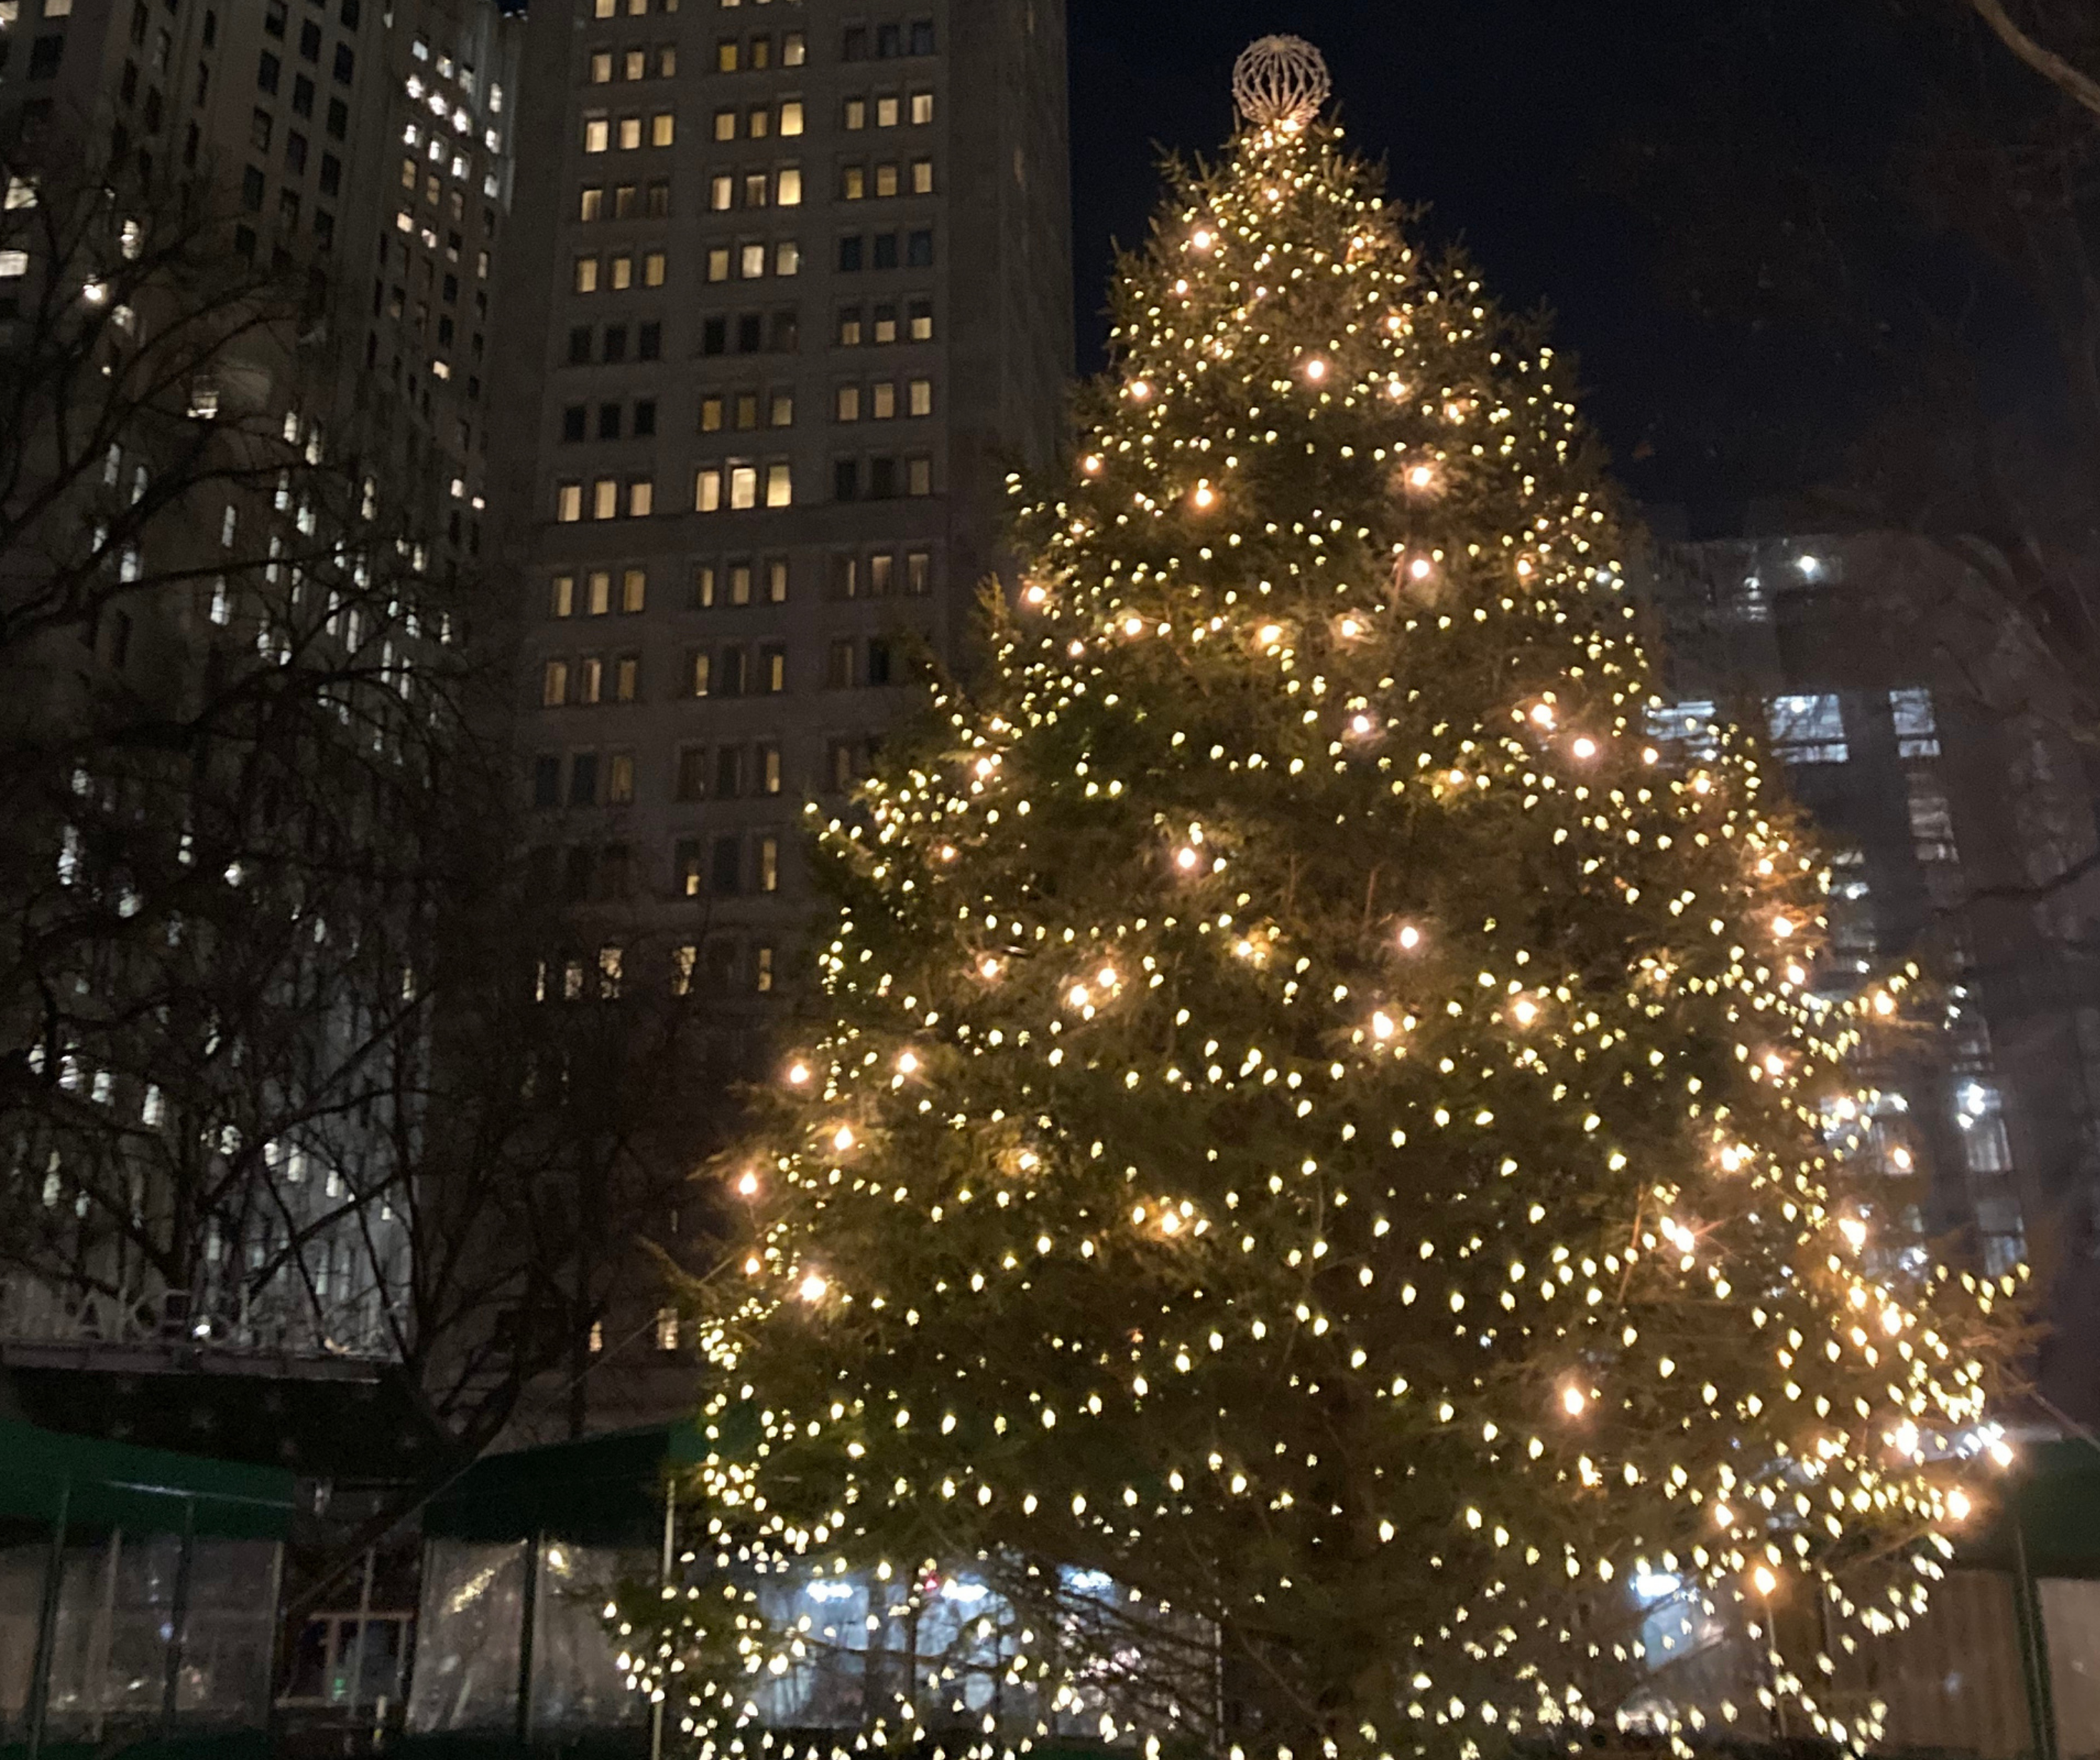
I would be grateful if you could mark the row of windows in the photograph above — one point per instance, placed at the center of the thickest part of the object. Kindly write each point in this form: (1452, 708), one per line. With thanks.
(648, 339)
(857, 182)
(606, 498)
(888, 110)
(621, 270)
(605, 9)
(737, 669)
(760, 121)
(603, 132)
(725, 772)
(576, 421)
(734, 865)
(740, 582)
(742, 410)
(629, 201)
(881, 400)
(880, 251)
(737, 485)
(634, 64)
(779, 188)
(886, 41)
(752, 259)
(876, 325)
(754, 54)
(722, 867)
(720, 965)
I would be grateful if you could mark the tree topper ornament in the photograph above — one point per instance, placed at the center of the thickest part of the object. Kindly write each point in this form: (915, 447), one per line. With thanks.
(1280, 83)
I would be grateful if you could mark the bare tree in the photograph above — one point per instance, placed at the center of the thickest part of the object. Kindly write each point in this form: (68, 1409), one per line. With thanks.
(2082, 87)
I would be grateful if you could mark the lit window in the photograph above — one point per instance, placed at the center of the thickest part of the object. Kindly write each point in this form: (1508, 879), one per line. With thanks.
(885, 180)
(641, 499)
(587, 275)
(779, 485)
(768, 864)
(708, 488)
(790, 116)
(718, 262)
(597, 134)
(555, 684)
(598, 589)
(921, 399)
(883, 398)
(604, 498)
(14, 264)
(663, 127)
(724, 124)
(564, 596)
(722, 193)
(885, 112)
(848, 407)
(852, 183)
(753, 262)
(630, 133)
(856, 116)
(788, 257)
(569, 503)
(788, 191)
(743, 486)
(654, 268)
(633, 590)
(1917, 730)
(922, 107)
(783, 409)
(601, 67)
(919, 477)
(922, 177)
(1808, 729)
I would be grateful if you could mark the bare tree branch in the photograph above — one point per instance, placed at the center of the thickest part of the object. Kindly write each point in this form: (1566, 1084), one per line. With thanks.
(2081, 88)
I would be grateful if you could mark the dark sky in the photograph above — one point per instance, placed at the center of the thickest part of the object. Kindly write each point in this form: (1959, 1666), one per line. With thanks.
(1507, 117)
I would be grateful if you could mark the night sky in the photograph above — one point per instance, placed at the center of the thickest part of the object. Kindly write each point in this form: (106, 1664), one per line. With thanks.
(1513, 120)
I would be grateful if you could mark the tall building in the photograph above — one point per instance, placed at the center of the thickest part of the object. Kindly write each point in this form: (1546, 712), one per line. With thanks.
(802, 300)
(1917, 720)
(799, 299)
(354, 159)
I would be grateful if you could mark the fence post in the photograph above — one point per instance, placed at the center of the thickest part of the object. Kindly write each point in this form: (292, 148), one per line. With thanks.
(529, 1618)
(179, 1618)
(47, 1623)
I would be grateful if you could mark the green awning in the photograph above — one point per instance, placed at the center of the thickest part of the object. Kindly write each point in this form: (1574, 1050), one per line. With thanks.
(143, 1490)
(2053, 1492)
(604, 1491)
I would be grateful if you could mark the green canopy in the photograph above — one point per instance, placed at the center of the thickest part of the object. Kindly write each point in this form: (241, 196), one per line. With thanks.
(144, 1490)
(2049, 1508)
(604, 1491)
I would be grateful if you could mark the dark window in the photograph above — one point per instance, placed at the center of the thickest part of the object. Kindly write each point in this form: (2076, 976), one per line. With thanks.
(692, 783)
(851, 254)
(577, 872)
(885, 250)
(572, 422)
(579, 345)
(614, 863)
(773, 668)
(302, 94)
(259, 125)
(839, 665)
(210, 28)
(878, 662)
(623, 202)
(750, 333)
(190, 140)
(547, 780)
(729, 772)
(244, 242)
(645, 418)
(881, 478)
(203, 86)
(150, 117)
(919, 249)
(267, 72)
(331, 173)
(854, 46)
(583, 779)
(649, 341)
(725, 866)
(608, 421)
(615, 342)
(127, 85)
(251, 189)
(338, 119)
(324, 230)
(889, 41)
(787, 332)
(273, 18)
(295, 152)
(346, 64)
(659, 199)
(287, 208)
(310, 42)
(351, 9)
(922, 37)
(728, 672)
(714, 337)
(846, 480)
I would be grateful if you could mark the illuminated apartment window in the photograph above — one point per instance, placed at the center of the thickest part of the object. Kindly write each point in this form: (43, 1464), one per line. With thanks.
(726, 125)
(922, 108)
(920, 398)
(790, 117)
(1917, 730)
(604, 498)
(1807, 729)
(718, 262)
(856, 114)
(597, 134)
(555, 684)
(663, 129)
(633, 590)
(586, 275)
(768, 864)
(569, 503)
(597, 588)
(630, 133)
(562, 597)
(779, 485)
(788, 187)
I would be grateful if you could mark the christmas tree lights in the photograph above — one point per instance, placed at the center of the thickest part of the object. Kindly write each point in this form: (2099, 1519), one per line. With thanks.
(1316, 1171)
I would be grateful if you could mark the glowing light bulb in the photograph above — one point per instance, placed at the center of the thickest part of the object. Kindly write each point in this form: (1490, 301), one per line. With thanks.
(94, 292)
(1271, 633)
(1091, 464)
(1351, 627)
(1186, 859)
(1141, 389)
(1884, 1003)
(1382, 1025)
(798, 1073)
(1905, 1436)
(747, 1186)
(1765, 1580)
(2001, 1452)
(1133, 626)
(1420, 477)
(1035, 596)
(1524, 1010)
(1774, 1064)
(1420, 569)
(842, 1138)
(1523, 568)
(988, 968)
(1202, 240)
(1782, 926)
(1316, 369)
(1585, 747)
(1542, 713)
(1361, 724)
(908, 1063)
(1410, 937)
(1797, 975)
(1078, 997)
(1854, 1232)
(1170, 1223)
(1899, 1158)
(813, 1288)
(1106, 977)
(1957, 1504)
(946, 853)
(1205, 495)
(1574, 1401)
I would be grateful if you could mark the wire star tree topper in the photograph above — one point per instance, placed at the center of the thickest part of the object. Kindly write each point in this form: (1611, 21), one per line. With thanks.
(1310, 1176)
(1280, 81)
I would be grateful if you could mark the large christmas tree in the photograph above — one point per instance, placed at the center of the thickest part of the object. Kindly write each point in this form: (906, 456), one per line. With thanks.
(1314, 1171)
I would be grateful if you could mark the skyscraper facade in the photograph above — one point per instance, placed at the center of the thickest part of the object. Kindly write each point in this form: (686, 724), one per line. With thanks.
(802, 301)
